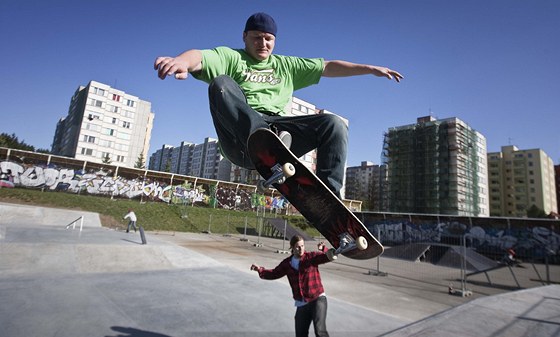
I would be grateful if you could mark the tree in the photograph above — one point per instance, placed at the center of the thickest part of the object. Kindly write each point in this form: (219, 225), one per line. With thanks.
(13, 142)
(140, 162)
(535, 212)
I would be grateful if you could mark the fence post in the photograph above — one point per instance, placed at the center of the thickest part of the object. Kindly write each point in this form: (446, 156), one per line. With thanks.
(378, 272)
(260, 221)
(227, 234)
(244, 238)
(464, 291)
(284, 251)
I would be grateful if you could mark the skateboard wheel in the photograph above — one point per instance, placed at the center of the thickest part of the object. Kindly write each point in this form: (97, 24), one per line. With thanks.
(361, 242)
(289, 169)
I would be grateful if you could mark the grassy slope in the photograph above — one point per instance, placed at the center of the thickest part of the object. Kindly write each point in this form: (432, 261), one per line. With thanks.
(151, 215)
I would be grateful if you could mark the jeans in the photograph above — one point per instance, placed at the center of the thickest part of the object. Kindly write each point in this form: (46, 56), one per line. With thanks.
(131, 223)
(235, 120)
(315, 312)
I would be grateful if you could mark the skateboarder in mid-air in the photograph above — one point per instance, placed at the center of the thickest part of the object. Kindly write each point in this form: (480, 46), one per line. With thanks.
(250, 88)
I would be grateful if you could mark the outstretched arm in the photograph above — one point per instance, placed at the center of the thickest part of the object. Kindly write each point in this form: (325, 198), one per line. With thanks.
(343, 69)
(180, 66)
(271, 274)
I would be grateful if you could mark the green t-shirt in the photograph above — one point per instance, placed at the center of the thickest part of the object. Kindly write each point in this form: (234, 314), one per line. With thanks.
(268, 84)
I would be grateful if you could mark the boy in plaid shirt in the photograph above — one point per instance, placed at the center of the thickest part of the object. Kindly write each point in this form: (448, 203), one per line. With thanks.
(302, 270)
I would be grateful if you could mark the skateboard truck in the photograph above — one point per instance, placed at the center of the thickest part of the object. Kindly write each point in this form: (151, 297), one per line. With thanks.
(279, 174)
(347, 243)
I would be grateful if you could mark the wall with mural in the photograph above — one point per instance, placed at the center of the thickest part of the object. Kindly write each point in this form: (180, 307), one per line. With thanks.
(491, 236)
(104, 182)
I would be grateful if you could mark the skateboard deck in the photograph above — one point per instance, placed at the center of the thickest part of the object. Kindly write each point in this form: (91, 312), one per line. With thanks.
(142, 235)
(310, 196)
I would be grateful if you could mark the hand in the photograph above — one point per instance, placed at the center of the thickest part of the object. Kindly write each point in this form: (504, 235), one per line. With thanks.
(167, 66)
(254, 267)
(386, 72)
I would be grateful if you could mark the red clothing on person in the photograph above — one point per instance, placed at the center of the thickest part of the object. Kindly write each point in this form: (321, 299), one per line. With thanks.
(306, 282)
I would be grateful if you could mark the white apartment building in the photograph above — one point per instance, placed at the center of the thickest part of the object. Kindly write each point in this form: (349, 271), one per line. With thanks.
(520, 179)
(202, 160)
(105, 123)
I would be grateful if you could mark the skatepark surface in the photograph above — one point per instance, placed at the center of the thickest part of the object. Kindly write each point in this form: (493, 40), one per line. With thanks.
(58, 281)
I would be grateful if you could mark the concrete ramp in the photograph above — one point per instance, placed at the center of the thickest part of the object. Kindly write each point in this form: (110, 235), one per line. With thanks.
(34, 215)
(410, 252)
(532, 312)
(441, 255)
(102, 282)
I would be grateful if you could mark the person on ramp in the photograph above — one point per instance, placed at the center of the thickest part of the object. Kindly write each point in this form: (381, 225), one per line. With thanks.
(250, 88)
(302, 271)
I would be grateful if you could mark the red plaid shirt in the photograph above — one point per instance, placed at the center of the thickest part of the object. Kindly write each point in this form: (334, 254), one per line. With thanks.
(305, 282)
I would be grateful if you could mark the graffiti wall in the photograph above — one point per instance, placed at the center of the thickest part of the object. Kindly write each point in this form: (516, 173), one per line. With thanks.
(530, 238)
(104, 182)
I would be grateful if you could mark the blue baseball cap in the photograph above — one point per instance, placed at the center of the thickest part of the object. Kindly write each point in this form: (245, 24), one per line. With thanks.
(261, 22)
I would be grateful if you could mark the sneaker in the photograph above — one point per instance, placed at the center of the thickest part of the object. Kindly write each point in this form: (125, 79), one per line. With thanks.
(286, 138)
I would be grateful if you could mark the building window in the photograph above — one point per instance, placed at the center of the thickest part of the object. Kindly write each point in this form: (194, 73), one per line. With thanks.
(122, 135)
(113, 108)
(105, 143)
(114, 121)
(98, 91)
(87, 152)
(121, 147)
(116, 98)
(126, 125)
(92, 116)
(130, 103)
(95, 102)
(89, 139)
(109, 132)
(128, 114)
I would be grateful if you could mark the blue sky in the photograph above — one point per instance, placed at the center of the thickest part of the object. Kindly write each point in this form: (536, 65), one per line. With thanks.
(493, 64)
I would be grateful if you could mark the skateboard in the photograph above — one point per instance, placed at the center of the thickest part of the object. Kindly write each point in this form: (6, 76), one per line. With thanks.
(305, 191)
(142, 235)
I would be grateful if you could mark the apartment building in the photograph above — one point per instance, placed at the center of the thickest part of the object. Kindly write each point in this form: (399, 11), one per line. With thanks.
(520, 179)
(202, 160)
(104, 124)
(368, 183)
(437, 167)
(161, 160)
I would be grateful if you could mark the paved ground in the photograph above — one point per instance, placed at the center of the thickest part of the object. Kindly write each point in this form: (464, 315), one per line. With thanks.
(101, 282)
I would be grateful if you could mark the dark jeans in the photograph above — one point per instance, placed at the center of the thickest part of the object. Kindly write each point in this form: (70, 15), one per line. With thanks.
(131, 223)
(315, 312)
(235, 120)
